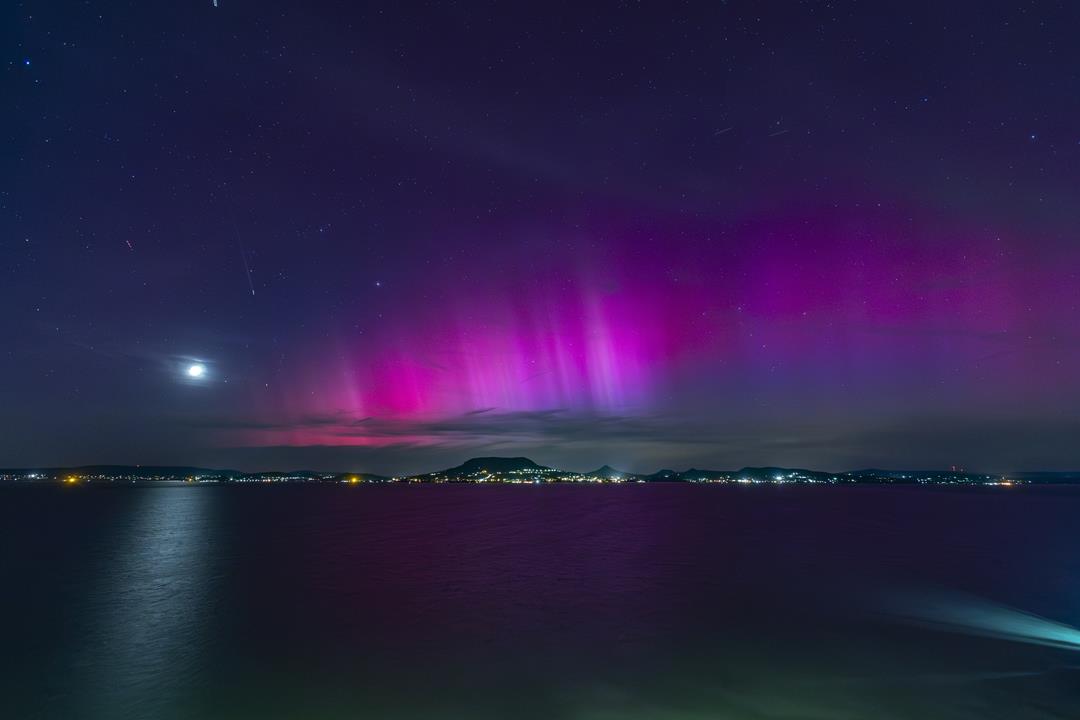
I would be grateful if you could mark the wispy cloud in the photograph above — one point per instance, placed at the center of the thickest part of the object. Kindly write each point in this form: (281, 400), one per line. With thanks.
(559, 436)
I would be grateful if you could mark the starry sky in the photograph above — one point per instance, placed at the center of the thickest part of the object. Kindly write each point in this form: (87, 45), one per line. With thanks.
(819, 234)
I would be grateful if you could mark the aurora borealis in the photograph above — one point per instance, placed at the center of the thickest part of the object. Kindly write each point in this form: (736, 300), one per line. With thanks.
(817, 235)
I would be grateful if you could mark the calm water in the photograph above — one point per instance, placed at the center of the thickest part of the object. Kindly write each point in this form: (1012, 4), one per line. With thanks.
(662, 601)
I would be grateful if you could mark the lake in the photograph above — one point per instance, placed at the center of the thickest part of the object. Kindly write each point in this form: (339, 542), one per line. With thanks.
(594, 602)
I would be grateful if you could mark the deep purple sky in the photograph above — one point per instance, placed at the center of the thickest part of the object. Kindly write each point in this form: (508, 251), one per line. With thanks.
(714, 234)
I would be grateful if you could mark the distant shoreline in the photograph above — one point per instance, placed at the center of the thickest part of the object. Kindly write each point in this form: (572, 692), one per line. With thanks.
(522, 471)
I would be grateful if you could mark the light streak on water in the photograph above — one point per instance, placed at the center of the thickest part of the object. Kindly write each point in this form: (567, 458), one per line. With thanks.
(970, 615)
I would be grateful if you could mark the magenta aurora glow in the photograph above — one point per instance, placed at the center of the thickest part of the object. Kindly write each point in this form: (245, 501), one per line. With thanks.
(742, 236)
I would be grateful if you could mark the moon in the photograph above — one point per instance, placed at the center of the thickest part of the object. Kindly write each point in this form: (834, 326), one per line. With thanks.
(196, 370)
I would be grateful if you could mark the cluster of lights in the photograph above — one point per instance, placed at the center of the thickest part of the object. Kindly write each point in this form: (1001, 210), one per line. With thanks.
(526, 476)
(535, 475)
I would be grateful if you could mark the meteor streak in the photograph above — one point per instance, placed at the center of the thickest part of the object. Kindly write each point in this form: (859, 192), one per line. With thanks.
(247, 270)
(243, 256)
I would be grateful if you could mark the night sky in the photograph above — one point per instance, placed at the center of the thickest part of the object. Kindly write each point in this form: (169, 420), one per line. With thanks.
(820, 234)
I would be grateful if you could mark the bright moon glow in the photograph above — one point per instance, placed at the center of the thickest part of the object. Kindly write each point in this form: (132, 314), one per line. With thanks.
(196, 371)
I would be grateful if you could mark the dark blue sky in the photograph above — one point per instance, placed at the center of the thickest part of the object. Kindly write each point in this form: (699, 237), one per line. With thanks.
(712, 234)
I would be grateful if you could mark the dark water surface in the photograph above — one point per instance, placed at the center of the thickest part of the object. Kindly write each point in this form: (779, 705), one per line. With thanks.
(644, 601)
